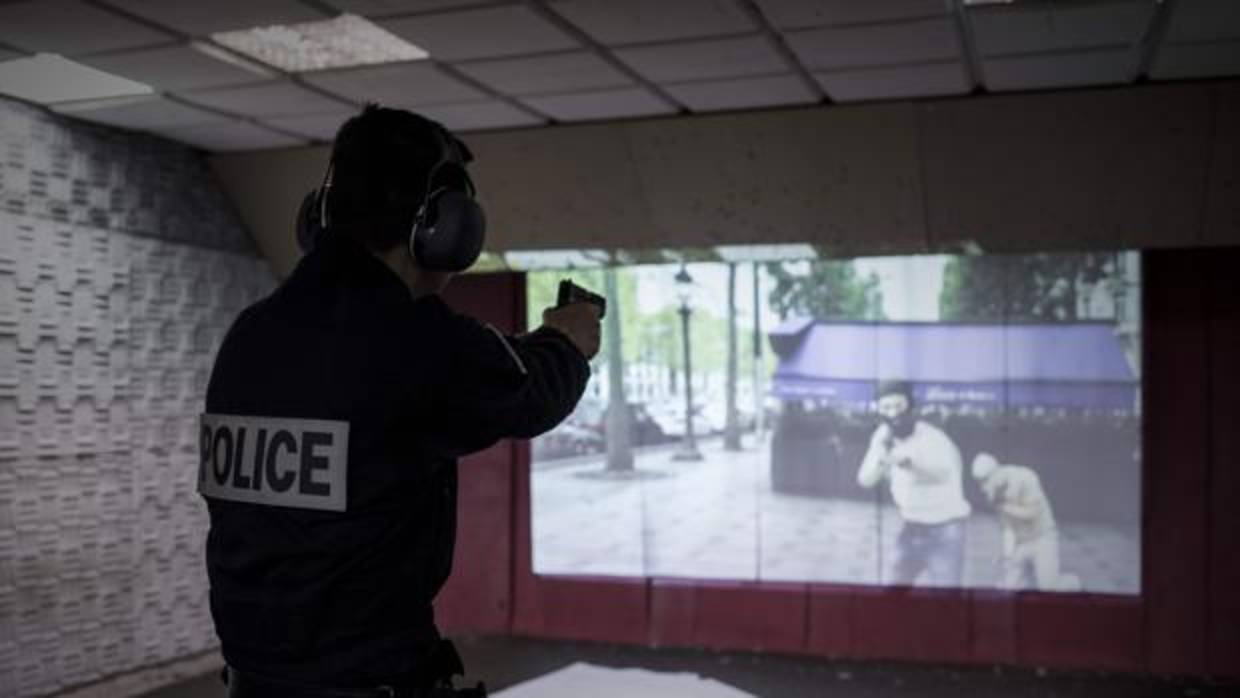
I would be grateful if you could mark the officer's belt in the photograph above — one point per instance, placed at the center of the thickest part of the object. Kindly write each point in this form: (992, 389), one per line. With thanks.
(245, 685)
(444, 664)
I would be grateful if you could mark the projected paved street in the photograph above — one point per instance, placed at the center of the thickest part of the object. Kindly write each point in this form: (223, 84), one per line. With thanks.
(719, 519)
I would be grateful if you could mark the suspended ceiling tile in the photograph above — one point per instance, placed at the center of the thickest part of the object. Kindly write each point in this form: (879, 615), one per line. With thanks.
(799, 14)
(480, 115)
(743, 93)
(321, 127)
(49, 78)
(71, 28)
(705, 60)
(380, 8)
(876, 45)
(280, 98)
(403, 85)
(229, 135)
(1013, 29)
(174, 68)
(1046, 71)
(141, 113)
(481, 33)
(607, 104)
(895, 82)
(1203, 20)
(202, 17)
(1210, 60)
(546, 74)
(615, 22)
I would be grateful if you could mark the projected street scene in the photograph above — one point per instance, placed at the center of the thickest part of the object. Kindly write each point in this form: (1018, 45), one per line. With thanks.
(948, 421)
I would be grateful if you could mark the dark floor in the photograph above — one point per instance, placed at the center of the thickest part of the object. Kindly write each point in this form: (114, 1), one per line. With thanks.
(504, 661)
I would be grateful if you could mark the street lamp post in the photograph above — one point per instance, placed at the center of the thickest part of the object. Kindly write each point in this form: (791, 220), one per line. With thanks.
(684, 289)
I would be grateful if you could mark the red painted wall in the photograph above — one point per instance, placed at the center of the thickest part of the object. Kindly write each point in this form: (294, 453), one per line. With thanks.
(1187, 620)
(478, 596)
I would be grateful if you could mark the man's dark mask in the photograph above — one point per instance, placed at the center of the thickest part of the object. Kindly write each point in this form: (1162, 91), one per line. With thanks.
(902, 424)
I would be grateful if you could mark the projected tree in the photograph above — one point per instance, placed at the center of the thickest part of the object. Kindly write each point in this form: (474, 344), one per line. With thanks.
(619, 437)
(731, 430)
(829, 290)
(1020, 288)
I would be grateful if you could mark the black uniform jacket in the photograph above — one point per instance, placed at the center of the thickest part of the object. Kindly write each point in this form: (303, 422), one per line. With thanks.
(344, 597)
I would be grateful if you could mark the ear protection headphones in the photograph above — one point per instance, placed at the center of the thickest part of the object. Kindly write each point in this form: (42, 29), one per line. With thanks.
(448, 228)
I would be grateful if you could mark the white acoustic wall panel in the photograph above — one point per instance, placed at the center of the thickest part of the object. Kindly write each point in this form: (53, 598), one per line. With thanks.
(121, 268)
(110, 338)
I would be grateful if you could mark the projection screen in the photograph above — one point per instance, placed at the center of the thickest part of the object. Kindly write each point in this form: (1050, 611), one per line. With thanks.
(941, 421)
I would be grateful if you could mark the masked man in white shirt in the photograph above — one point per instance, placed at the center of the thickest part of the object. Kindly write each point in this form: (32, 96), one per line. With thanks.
(1030, 536)
(923, 467)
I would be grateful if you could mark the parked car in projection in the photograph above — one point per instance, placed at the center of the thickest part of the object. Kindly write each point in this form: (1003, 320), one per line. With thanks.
(567, 440)
(644, 429)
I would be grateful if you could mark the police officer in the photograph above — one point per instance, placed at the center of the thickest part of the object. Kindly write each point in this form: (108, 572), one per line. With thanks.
(336, 411)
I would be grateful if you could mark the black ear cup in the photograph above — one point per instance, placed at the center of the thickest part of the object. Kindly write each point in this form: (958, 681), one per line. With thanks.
(449, 233)
(309, 221)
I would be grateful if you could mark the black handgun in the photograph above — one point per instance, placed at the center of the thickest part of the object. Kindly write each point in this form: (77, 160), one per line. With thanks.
(572, 293)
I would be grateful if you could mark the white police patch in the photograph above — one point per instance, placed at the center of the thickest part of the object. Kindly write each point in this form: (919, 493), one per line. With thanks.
(300, 463)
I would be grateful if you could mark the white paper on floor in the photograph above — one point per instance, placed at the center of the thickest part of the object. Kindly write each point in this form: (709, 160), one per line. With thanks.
(579, 679)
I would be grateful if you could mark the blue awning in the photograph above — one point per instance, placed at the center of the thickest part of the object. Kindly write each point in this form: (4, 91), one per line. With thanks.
(1059, 365)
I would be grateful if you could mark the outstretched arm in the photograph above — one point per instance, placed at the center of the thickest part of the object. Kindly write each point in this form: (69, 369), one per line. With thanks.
(495, 386)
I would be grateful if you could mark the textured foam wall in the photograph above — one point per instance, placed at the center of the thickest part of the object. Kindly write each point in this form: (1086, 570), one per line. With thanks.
(121, 267)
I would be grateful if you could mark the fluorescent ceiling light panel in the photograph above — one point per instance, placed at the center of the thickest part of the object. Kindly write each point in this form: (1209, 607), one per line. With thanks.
(347, 40)
(48, 78)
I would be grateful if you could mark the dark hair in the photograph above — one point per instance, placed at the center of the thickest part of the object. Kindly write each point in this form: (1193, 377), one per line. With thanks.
(380, 163)
(896, 387)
